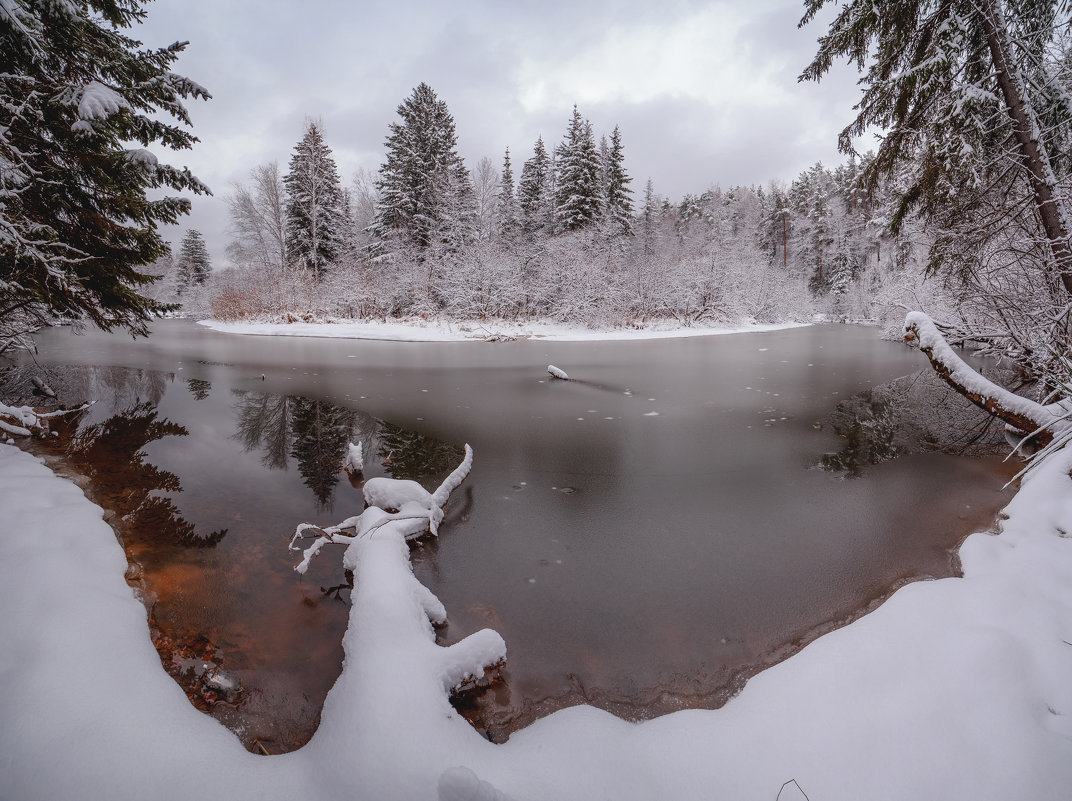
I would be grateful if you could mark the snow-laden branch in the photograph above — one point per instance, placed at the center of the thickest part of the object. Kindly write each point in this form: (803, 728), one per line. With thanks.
(1022, 413)
(22, 421)
(451, 482)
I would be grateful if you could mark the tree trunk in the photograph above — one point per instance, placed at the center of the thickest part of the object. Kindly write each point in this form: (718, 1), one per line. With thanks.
(1032, 149)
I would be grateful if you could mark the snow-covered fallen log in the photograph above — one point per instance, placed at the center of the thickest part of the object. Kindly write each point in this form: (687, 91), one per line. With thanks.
(557, 373)
(1028, 416)
(397, 681)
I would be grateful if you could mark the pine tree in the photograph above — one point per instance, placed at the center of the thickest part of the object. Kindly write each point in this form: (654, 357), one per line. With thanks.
(968, 99)
(507, 203)
(649, 217)
(616, 193)
(314, 204)
(424, 185)
(534, 190)
(75, 222)
(194, 264)
(577, 196)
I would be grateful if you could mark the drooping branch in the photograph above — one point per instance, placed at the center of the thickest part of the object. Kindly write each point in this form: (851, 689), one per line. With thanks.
(1022, 413)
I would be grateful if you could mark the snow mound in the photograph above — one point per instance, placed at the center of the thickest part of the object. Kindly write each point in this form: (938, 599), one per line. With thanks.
(354, 462)
(557, 373)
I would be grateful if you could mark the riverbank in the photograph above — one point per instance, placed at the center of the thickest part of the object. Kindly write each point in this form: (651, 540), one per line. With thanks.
(419, 330)
(954, 688)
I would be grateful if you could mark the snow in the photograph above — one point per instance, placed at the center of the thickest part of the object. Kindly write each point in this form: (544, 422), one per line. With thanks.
(95, 101)
(955, 688)
(423, 331)
(557, 372)
(355, 460)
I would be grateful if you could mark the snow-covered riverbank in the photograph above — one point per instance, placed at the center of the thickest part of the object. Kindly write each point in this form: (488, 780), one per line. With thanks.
(417, 330)
(957, 688)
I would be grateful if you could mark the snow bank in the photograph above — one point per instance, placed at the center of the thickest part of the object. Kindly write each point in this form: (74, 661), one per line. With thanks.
(957, 688)
(422, 331)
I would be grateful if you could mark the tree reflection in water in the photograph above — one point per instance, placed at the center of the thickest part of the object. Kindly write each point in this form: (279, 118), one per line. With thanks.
(112, 455)
(407, 454)
(199, 388)
(912, 414)
(316, 433)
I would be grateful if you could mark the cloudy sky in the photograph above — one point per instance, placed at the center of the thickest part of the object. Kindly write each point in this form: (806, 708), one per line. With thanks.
(705, 92)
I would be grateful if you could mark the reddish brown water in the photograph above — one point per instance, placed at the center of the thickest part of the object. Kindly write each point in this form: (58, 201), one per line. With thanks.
(642, 562)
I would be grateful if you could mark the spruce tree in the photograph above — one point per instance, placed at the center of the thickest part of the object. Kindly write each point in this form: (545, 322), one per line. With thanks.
(507, 203)
(194, 263)
(79, 104)
(968, 99)
(534, 190)
(616, 193)
(314, 204)
(424, 186)
(577, 192)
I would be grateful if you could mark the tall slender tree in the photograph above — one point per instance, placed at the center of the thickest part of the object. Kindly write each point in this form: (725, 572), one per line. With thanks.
(507, 200)
(618, 203)
(80, 103)
(534, 190)
(314, 204)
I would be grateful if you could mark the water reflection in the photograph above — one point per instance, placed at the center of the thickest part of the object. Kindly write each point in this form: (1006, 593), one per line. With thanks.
(409, 454)
(199, 388)
(916, 413)
(320, 432)
(112, 454)
(315, 433)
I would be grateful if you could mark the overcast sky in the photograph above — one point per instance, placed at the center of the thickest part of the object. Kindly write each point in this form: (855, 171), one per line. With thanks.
(705, 93)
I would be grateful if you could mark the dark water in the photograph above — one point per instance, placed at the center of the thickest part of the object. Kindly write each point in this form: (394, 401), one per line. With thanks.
(644, 537)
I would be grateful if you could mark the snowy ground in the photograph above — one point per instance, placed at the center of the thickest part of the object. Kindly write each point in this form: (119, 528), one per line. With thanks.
(953, 689)
(417, 330)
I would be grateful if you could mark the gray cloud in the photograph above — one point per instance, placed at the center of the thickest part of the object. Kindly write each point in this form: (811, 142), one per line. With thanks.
(706, 93)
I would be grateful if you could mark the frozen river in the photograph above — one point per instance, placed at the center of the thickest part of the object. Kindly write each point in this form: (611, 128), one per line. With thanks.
(644, 537)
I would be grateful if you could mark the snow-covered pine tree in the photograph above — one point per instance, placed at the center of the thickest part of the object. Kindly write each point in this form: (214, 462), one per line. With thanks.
(75, 222)
(194, 264)
(423, 179)
(314, 204)
(506, 209)
(534, 190)
(618, 203)
(649, 217)
(978, 125)
(578, 200)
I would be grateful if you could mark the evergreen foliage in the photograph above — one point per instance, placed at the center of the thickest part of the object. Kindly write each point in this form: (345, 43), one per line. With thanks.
(971, 105)
(618, 203)
(75, 222)
(578, 200)
(194, 264)
(534, 190)
(314, 207)
(507, 202)
(425, 191)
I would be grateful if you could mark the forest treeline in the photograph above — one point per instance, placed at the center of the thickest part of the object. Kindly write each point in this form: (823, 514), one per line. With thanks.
(570, 240)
